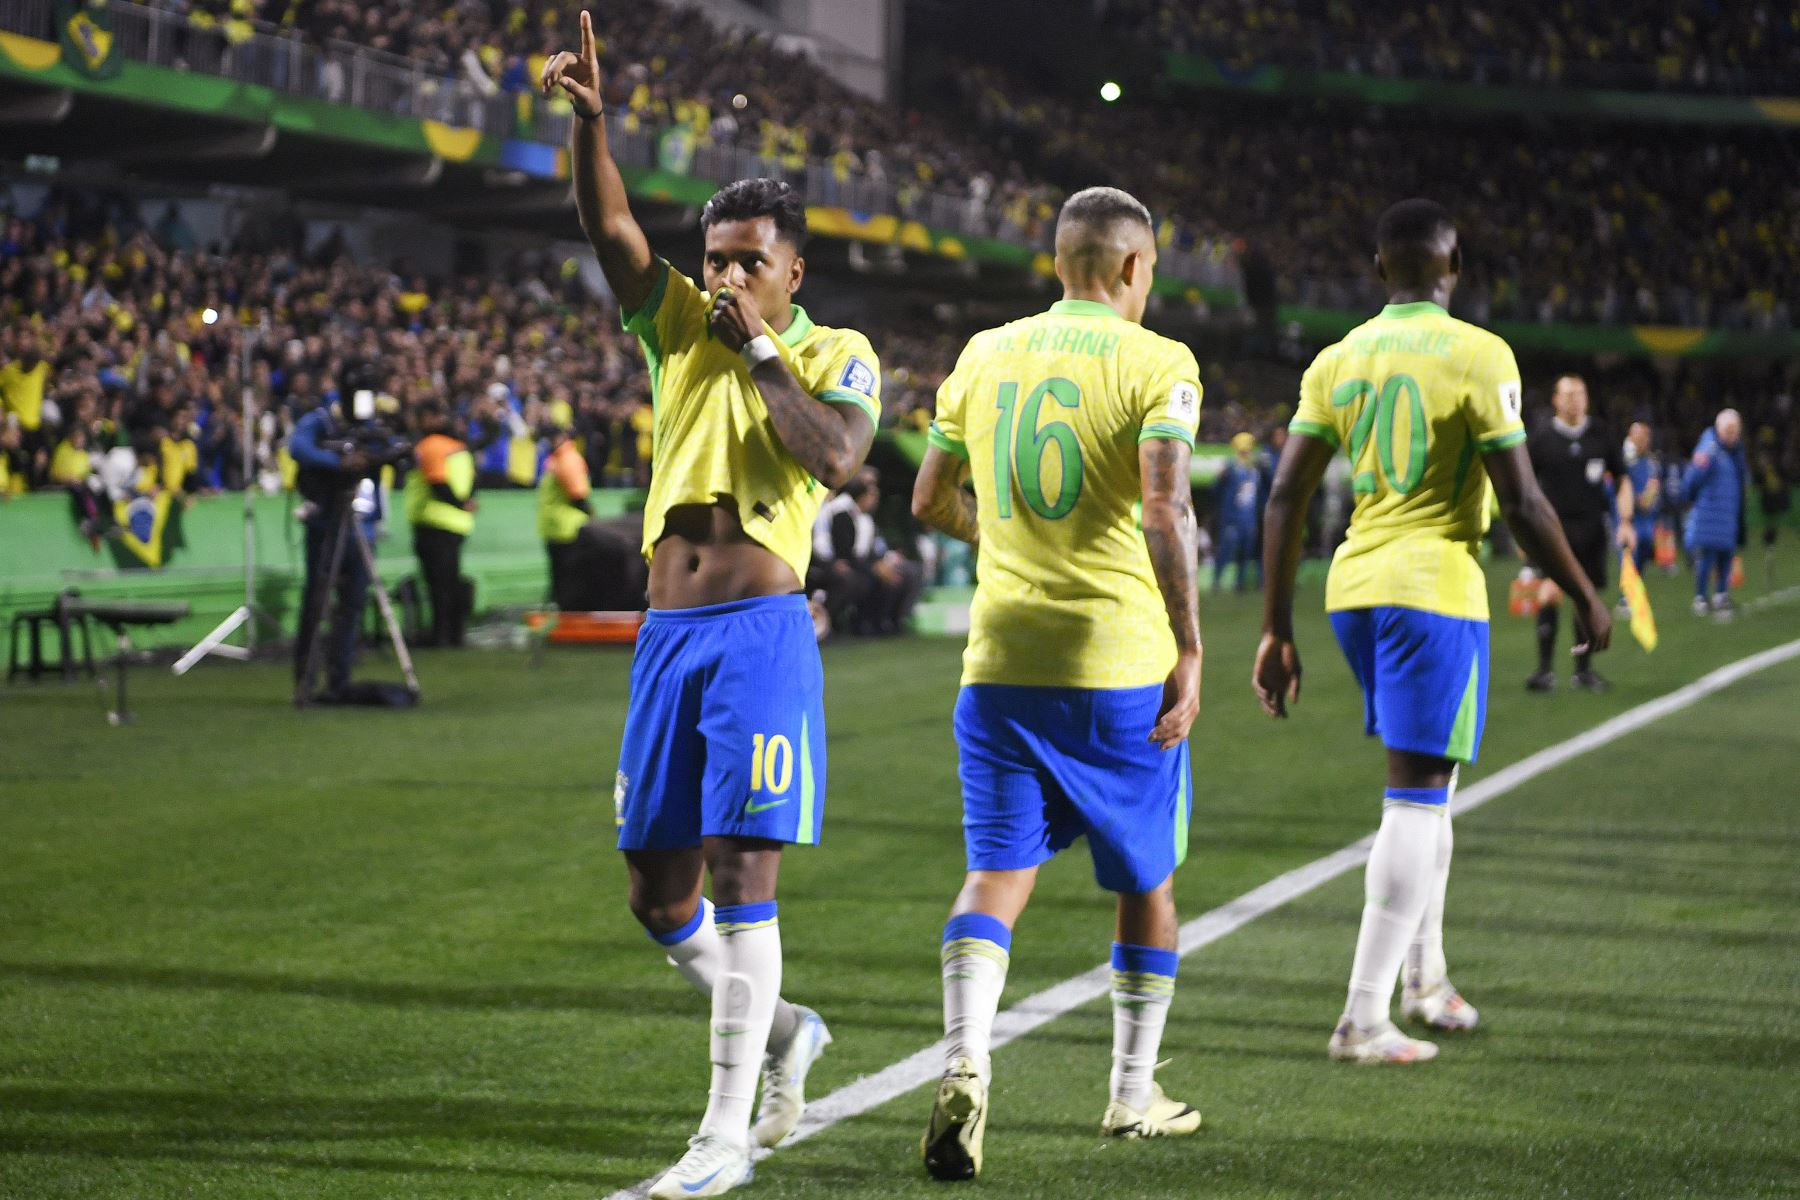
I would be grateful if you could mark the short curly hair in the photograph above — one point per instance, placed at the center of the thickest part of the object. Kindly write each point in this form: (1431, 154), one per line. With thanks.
(748, 199)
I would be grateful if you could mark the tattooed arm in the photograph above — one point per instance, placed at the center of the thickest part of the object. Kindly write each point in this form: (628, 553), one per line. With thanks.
(829, 440)
(939, 498)
(1169, 532)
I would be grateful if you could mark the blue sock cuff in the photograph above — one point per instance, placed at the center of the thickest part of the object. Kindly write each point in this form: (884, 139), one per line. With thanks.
(736, 918)
(979, 925)
(1144, 959)
(678, 936)
(1417, 795)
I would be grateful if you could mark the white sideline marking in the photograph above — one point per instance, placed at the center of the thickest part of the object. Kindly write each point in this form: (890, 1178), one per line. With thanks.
(872, 1091)
(1773, 599)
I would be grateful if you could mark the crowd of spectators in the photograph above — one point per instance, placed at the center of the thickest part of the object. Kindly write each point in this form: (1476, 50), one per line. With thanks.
(668, 69)
(123, 333)
(1610, 226)
(1698, 45)
(140, 337)
(1634, 225)
(107, 346)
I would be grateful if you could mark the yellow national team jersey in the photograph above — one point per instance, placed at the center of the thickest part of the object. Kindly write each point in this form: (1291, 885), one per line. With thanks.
(712, 435)
(1416, 397)
(1049, 411)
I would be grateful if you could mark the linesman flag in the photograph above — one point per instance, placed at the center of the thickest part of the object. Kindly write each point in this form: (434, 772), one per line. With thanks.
(88, 44)
(1643, 621)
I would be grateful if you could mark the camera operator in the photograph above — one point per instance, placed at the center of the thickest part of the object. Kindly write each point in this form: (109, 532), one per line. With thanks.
(329, 480)
(441, 507)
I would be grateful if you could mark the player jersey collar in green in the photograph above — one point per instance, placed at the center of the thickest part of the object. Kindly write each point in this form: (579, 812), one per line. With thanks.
(1084, 308)
(1418, 308)
(799, 325)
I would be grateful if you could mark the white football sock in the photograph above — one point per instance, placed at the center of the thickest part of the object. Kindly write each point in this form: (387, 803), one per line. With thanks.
(1395, 890)
(698, 955)
(975, 954)
(1143, 986)
(1425, 965)
(743, 1007)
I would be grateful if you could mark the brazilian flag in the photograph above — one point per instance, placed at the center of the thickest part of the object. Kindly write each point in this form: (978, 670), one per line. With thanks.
(88, 43)
(147, 531)
(675, 150)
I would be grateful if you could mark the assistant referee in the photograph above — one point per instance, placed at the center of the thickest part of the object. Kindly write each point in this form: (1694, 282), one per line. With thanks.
(1573, 457)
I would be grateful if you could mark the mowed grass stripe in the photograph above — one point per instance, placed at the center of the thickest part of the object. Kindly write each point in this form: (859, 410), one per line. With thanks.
(1047, 1005)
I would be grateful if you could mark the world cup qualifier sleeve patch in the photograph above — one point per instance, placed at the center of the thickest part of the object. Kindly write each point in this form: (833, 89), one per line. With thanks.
(1184, 402)
(859, 376)
(1512, 400)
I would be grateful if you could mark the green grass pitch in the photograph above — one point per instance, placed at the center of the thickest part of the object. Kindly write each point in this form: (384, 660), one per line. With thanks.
(246, 952)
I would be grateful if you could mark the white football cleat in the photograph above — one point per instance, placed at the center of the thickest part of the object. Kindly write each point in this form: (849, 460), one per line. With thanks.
(784, 1079)
(1162, 1117)
(1440, 1006)
(1384, 1044)
(711, 1167)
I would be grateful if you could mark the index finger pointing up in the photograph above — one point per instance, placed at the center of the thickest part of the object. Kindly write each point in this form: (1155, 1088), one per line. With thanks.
(587, 36)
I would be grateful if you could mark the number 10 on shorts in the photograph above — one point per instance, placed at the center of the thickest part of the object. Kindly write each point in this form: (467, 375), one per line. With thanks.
(771, 764)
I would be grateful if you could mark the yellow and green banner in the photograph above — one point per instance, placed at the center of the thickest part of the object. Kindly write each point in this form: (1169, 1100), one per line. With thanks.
(1196, 72)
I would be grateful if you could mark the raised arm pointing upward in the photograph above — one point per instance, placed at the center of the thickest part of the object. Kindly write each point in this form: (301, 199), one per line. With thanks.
(600, 198)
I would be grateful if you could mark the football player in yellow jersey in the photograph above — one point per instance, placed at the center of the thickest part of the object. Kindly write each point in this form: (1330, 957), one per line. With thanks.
(1427, 408)
(758, 413)
(1082, 674)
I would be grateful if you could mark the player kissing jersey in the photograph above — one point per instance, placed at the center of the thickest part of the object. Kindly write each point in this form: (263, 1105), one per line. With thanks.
(1415, 397)
(1049, 411)
(725, 735)
(713, 436)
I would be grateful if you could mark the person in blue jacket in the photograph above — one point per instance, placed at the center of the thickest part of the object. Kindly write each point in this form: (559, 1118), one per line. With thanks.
(1715, 489)
(1645, 469)
(1239, 490)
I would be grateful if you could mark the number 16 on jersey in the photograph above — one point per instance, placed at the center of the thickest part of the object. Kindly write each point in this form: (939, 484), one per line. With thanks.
(1020, 448)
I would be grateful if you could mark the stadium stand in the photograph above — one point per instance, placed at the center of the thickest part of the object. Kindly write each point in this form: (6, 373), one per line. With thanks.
(1625, 232)
(112, 294)
(1690, 45)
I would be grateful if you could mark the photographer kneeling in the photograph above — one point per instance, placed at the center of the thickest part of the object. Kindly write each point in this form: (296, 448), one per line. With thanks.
(332, 479)
(440, 504)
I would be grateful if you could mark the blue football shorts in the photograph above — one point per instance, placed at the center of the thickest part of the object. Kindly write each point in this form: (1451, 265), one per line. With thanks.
(1424, 677)
(1041, 767)
(725, 732)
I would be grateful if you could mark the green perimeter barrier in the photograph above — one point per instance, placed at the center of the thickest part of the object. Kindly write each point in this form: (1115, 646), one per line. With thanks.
(1665, 108)
(42, 552)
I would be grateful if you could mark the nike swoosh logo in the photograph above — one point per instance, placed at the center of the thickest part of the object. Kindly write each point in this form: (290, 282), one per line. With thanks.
(729, 1033)
(754, 807)
(694, 1187)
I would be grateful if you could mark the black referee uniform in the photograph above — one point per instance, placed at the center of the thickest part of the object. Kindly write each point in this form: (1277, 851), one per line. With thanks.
(1572, 466)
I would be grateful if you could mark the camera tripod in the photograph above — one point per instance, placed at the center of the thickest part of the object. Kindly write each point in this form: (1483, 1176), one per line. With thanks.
(348, 537)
